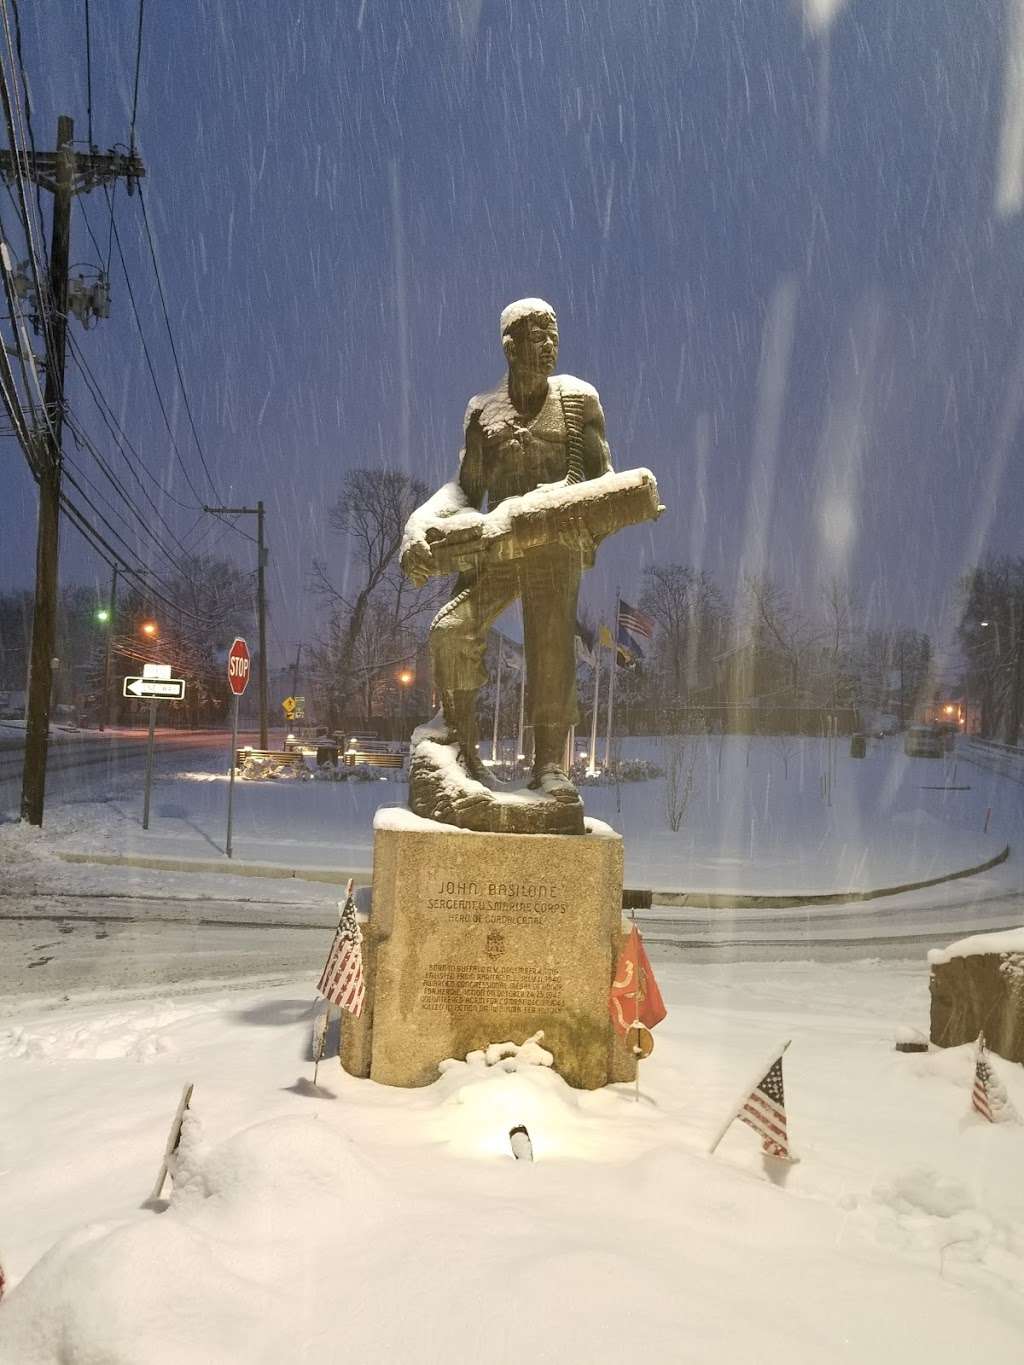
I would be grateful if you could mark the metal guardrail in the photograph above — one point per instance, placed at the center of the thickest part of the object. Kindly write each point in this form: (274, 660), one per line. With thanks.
(1005, 760)
(1014, 750)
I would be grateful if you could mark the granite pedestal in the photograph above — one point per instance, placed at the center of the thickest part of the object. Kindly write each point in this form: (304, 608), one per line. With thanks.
(481, 938)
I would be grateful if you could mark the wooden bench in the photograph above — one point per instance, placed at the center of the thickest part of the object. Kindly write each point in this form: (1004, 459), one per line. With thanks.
(374, 758)
(285, 757)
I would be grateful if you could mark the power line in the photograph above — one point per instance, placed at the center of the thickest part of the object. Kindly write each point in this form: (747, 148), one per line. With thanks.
(170, 338)
(88, 72)
(18, 155)
(28, 102)
(138, 65)
(82, 438)
(152, 372)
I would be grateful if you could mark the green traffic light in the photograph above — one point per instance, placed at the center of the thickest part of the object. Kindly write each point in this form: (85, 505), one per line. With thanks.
(103, 614)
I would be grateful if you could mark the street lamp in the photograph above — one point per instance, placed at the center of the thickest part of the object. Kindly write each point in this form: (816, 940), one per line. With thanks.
(405, 678)
(150, 629)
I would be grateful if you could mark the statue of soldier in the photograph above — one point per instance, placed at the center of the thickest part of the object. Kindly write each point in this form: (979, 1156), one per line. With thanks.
(534, 428)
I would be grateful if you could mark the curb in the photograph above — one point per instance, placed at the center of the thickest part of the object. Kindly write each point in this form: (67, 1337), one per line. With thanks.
(727, 900)
(362, 876)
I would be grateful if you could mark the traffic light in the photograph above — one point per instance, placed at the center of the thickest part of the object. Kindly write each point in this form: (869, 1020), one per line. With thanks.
(149, 629)
(102, 615)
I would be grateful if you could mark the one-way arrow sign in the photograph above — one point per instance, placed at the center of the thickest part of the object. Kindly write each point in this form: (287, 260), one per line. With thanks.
(154, 689)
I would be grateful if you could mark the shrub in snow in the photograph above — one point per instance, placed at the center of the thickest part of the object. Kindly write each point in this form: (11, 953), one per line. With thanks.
(272, 769)
(625, 770)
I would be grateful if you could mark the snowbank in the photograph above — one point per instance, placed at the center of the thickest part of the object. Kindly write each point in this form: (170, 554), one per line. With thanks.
(358, 1222)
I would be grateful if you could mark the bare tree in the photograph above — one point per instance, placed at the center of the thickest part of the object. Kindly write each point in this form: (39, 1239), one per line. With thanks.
(691, 617)
(992, 637)
(783, 635)
(375, 615)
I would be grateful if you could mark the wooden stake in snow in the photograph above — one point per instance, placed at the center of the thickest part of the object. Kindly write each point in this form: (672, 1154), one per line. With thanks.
(173, 1138)
(320, 1037)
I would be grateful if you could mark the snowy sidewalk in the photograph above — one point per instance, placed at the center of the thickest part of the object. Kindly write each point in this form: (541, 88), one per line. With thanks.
(896, 1238)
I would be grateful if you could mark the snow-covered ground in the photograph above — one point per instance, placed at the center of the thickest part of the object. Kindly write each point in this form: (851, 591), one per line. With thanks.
(367, 1223)
(758, 820)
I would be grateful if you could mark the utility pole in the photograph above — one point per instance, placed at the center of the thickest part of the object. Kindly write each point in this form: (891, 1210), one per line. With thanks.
(111, 617)
(64, 173)
(261, 600)
(295, 669)
(261, 606)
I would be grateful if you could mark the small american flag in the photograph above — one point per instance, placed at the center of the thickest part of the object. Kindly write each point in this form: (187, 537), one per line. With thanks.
(342, 981)
(634, 620)
(989, 1095)
(764, 1110)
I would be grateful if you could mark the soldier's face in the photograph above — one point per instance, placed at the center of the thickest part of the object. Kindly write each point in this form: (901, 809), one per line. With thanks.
(536, 348)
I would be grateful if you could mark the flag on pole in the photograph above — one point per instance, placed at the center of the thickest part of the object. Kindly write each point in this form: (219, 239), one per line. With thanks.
(764, 1110)
(623, 653)
(635, 623)
(342, 981)
(989, 1095)
(586, 651)
(635, 997)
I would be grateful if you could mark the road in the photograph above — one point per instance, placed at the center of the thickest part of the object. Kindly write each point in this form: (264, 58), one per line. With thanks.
(85, 758)
(57, 945)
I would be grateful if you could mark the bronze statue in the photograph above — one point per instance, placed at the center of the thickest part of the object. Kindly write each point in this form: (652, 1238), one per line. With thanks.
(529, 442)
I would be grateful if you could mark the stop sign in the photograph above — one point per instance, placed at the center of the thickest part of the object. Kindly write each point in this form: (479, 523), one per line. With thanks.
(239, 666)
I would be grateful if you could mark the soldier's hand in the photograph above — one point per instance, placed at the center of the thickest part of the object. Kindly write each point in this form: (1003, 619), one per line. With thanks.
(576, 536)
(417, 562)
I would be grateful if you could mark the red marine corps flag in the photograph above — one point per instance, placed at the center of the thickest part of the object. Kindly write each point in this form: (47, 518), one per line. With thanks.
(342, 981)
(635, 998)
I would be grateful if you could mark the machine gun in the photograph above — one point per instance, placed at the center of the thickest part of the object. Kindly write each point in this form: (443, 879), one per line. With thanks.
(542, 517)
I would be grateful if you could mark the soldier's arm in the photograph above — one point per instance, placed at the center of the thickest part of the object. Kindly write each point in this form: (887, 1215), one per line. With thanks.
(472, 478)
(597, 458)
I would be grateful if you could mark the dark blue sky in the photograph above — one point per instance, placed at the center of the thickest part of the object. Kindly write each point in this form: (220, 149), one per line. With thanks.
(773, 246)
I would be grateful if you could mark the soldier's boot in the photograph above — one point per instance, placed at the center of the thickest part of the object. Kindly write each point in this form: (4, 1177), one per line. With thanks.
(460, 717)
(549, 775)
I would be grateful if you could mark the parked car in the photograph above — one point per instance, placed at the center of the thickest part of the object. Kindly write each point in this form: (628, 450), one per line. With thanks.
(923, 741)
(947, 730)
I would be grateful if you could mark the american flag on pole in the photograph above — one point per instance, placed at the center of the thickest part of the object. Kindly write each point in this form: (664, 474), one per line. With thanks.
(342, 981)
(634, 620)
(989, 1095)
(764, 1110)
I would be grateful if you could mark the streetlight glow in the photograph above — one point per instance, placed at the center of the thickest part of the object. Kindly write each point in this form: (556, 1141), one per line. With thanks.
(149, 628)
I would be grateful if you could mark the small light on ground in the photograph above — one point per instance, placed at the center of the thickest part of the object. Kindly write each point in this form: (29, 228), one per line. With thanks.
(522, 1147)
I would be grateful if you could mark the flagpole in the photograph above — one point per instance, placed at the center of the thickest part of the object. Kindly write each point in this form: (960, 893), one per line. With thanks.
(592, 767)
(734, 1111)
(611, 681)
(636, 1009)
(497, 701)
(520, 749)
